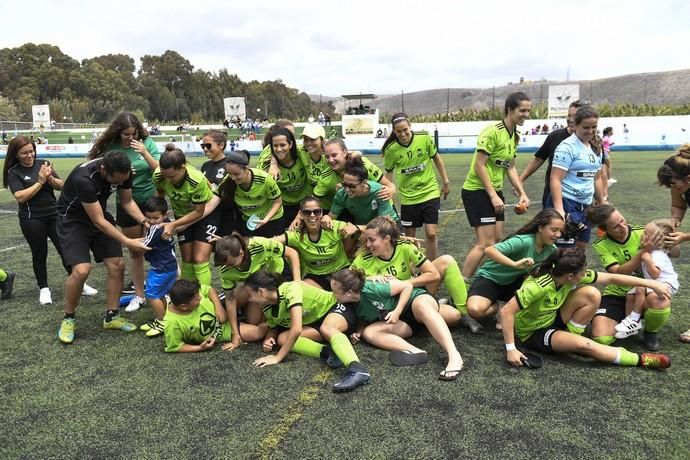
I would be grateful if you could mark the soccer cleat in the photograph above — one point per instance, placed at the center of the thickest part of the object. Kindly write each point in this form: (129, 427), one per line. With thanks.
(7, 286)
(119, 323)
(157, 328)
(147, 326)
(129, 288)
(352, 380)
(66, 331)
(135, 304)
(651, 341)
(88, 291)
(44, 296)
(627, 328)
(655, 360)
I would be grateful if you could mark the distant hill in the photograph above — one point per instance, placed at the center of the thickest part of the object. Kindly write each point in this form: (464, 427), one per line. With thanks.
(658, 88)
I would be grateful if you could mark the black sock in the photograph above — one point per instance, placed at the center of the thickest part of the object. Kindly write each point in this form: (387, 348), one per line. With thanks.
(110, 314)
(325, 352)
(69, 315)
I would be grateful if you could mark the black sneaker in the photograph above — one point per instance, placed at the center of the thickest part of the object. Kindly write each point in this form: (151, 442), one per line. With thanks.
(129, 288)
(7, 286)
(651, 341)
(355, 377)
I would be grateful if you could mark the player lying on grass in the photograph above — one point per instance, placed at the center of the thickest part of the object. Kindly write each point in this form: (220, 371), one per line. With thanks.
(550, 311)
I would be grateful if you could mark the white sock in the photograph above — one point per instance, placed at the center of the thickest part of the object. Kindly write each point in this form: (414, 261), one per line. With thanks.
(618, 356)
(635, 316)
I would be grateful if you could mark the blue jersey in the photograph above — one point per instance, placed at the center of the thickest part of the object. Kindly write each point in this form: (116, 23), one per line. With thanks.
(581, 165)
(162, 254)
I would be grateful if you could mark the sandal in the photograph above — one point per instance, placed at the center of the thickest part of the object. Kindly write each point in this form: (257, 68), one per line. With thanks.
(447, 375)
(685, 337)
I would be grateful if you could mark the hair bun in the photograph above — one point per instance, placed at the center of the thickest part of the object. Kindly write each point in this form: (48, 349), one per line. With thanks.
(684, 151)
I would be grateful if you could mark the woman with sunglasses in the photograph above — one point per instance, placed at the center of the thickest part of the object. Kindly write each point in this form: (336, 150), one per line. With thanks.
(213, 144)
(237, 257)
(321, 249)
(126, 134)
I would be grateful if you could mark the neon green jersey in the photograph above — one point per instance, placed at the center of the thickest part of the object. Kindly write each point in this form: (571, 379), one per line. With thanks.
(258, 197)
(405, 256)
(324, 256)
(194, 190)
(314, 168)
(142, 186)
(328, 182)
(293, 183)
(413, 166)
(193, 327)
(264, 160)
(539, 300)
(501, 146)
(612, 252)
(315, 303)
(263, 253)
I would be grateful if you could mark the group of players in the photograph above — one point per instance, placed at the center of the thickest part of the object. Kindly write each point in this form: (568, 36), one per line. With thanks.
(322, 217)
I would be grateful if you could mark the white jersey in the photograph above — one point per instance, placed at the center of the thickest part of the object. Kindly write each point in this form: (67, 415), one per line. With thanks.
(668, 273)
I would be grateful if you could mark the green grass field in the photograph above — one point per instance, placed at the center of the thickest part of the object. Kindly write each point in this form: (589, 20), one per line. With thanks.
(116, 395)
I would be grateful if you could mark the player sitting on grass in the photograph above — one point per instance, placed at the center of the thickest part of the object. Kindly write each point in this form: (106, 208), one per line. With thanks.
(195, 319)
(550, 311)
(161, 257)
(656, 265)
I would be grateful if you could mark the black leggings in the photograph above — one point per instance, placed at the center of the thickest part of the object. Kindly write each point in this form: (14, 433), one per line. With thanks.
(37, 232)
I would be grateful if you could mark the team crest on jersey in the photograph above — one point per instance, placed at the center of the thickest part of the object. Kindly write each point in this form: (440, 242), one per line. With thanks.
(113, 187)
(220, 173)
(374, 205)
(207, 323)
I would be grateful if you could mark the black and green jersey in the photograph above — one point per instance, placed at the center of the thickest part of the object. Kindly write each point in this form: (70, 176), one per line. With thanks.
(193, 190)
(539, 300)
(405, 256)
(364, 208)
(263, 253)
(376, 300)
(328, 182)
(293, 183)
(315, 303)
(258, 197)
(324, 256)
(612, 252)
(193, 327)
(501, 146)
(413, 166)
(314, 168)
(515, 248)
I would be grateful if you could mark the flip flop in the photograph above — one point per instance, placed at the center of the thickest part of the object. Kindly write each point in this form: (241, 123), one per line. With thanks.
(532, 360)
(685, 337)
(408, 358)
(447, 375)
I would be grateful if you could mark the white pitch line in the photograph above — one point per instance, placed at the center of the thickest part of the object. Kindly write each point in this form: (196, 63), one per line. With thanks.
(12, 248)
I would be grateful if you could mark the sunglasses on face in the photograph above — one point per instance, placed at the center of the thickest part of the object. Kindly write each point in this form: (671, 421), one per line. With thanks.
(205, 146)
(312, 212)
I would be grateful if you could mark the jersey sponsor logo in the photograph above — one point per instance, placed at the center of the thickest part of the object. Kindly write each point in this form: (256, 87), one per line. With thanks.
(414, 169)
(27, 178)
(293, 188)
(586, 174)
(318, 263)
(502, 163)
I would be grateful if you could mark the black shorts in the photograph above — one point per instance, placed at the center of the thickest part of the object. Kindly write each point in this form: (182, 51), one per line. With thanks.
(80, 238)
(272, 228)
(416, 215)
(479, 209)
(408, 316)
(612, 306)
(123, 219)
(540, 340)
(347, 311)
(488, 289)
(290, 211)
(322, 280)
(202, 230)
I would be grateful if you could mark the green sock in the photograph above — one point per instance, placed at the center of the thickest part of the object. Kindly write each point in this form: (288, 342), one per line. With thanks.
(307, 347)
(627, 358)
(343, 349)
(576, 328)
(604, 339)
(455, 285)
(3, 275)
(202, 272)
(655, 319)
(187, 271)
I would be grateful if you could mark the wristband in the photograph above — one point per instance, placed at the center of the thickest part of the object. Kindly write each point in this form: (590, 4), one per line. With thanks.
(510, 346)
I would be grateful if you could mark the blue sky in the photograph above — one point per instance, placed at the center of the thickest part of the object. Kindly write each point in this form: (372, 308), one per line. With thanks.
(368, 46)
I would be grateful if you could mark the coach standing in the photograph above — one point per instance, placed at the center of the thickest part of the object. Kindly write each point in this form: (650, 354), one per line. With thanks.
(85, 226)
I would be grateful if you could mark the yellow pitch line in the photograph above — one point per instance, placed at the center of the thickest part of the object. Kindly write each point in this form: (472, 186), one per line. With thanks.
(294, 412)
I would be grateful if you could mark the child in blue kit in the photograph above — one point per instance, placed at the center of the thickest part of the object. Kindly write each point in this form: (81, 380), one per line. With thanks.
(161, 257)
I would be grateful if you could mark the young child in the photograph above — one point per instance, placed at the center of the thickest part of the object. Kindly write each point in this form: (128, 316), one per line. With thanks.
(656, 265)
(163, 271)
(6, 284)
(195, 319)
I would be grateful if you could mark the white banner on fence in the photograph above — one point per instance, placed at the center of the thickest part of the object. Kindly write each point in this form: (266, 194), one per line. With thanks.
(235, 108)
(41, 114)
(560, 97)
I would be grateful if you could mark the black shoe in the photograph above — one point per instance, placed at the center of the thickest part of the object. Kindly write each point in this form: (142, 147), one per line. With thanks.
(7, 286)
(353, 379)
(651, 341)
(472, 324)
(129, 288)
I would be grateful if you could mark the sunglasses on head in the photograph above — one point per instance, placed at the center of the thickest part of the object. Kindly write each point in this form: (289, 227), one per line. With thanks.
(205, 146)
(312, 212)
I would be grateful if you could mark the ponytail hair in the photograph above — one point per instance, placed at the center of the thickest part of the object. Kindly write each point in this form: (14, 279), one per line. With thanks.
(230, 246)
(392, 137)
(354, 166)
(561, 262)
(264, 279)
(676, 167)
(543, 217)
(599, 214)
(172, 157)
(385, 226)
(351, 279)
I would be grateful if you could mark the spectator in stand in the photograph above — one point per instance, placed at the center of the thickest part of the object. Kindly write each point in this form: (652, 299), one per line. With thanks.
(328, 119)
(545, 129)
(70, 140)
(322, 119)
